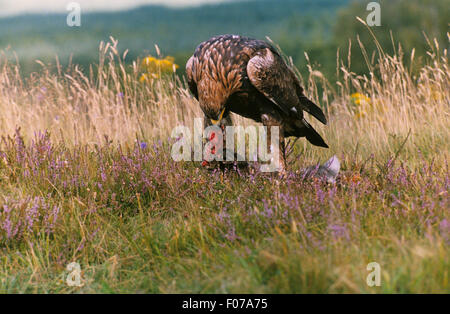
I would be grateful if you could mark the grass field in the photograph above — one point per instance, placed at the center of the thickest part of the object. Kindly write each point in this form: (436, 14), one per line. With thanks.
(86, 176)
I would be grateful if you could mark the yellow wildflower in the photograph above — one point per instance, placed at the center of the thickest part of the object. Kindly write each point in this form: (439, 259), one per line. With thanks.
(359, 114)
(154, 67)
(143, 78)
(360, 99)
(436, 94)
(364, 105)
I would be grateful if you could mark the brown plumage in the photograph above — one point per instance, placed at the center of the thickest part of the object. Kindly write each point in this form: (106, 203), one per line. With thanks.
(237, 74)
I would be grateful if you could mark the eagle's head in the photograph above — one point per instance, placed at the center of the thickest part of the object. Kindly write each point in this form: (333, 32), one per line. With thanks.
(219, 120)
(213, 100)
(215, 112)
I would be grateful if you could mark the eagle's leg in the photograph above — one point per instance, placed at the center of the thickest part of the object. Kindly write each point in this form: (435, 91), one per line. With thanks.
(280, 150)
(269, 122)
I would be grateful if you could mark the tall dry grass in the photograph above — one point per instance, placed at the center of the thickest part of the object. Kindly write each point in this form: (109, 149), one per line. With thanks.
(109, 101)
(401, 107)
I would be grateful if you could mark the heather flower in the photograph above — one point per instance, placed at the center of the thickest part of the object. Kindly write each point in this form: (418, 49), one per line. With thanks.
(25, 216)
(444, 228)
(339, 231)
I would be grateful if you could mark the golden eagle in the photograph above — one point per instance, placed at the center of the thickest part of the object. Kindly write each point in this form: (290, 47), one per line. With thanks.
(231, 73)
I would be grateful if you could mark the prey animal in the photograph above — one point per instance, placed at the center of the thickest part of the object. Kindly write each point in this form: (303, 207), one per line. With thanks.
(248, 77)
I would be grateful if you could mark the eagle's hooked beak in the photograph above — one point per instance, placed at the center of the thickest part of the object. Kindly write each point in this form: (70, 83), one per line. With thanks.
(215, 122)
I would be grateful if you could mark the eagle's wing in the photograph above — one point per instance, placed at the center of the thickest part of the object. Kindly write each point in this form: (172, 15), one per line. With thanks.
(189, 73)
(274, 79)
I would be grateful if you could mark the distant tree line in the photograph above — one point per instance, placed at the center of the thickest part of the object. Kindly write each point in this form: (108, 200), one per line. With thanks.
(318, 27)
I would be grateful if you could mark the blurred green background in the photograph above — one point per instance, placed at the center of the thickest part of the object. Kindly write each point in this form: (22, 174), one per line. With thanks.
(318, 27)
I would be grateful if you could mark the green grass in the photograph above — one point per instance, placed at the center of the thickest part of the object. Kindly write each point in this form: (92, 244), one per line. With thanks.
(204, 232)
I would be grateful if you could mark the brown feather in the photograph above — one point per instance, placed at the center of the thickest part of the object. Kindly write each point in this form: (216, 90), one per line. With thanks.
(248, 77)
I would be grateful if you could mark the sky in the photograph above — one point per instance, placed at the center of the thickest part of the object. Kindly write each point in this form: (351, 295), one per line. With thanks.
(16, 7)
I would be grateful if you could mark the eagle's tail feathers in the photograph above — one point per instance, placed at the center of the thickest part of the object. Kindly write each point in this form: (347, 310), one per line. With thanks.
(313, 137)
(313, 109)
